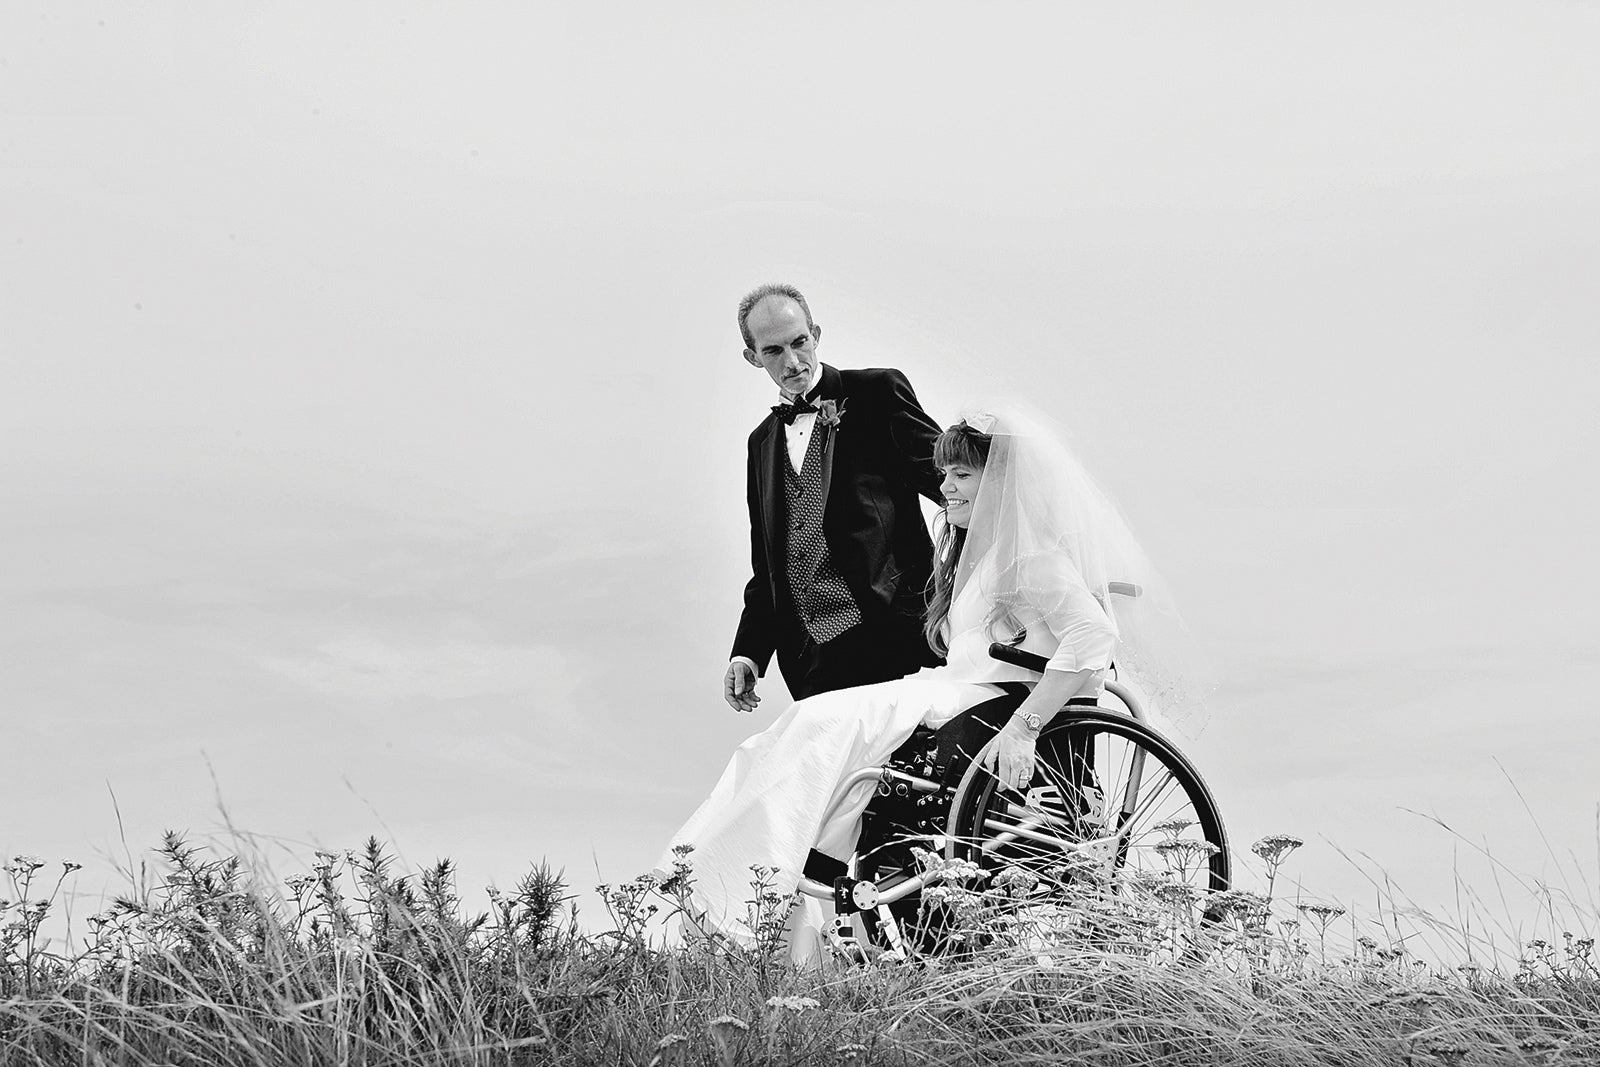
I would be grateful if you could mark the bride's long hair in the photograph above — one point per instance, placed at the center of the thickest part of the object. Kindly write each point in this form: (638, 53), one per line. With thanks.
(964, 446)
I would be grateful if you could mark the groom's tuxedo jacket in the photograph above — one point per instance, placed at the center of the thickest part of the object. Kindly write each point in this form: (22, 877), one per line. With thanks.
(875, 462)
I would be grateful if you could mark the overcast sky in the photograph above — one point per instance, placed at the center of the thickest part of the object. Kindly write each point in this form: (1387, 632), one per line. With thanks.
(374, 418)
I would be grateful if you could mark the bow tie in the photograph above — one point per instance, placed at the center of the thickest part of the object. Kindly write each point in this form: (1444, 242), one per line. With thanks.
(789, 412)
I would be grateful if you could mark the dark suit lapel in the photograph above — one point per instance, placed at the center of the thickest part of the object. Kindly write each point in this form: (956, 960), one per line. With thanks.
(769, 480)
(828, 389)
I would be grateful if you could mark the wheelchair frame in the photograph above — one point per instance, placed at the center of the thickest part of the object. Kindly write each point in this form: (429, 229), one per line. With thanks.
(854, 894)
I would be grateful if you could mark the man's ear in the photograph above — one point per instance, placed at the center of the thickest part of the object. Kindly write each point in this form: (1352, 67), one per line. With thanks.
(750, 357)
(816, 333)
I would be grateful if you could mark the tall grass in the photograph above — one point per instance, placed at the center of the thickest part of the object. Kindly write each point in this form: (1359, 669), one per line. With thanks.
(354, 962)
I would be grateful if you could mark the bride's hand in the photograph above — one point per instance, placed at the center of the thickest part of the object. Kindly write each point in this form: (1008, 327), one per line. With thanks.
(1009, 757)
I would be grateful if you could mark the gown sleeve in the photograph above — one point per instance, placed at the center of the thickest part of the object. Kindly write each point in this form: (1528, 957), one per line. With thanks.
(1054, 592)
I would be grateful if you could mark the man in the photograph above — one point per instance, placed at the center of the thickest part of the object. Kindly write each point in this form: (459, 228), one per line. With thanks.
(838, 546)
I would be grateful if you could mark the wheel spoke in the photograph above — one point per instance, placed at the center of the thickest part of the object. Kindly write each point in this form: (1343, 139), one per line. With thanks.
(1111, 802)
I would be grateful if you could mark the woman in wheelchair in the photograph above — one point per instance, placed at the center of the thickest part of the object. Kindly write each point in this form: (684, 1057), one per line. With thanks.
(1026, 552)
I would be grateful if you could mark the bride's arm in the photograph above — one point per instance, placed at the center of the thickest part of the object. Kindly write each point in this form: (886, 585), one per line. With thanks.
(1085, 635)
(1057, 598)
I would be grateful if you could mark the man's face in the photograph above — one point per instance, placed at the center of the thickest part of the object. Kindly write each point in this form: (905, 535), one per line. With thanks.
(784, 346)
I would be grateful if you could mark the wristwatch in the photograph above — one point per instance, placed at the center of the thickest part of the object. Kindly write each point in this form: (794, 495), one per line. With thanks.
(1032, 721)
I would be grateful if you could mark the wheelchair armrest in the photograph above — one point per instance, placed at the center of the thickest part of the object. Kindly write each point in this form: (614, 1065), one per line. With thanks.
(1031, 661)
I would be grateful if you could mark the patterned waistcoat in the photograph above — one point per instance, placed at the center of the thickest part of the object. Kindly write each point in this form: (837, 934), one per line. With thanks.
(823, 600)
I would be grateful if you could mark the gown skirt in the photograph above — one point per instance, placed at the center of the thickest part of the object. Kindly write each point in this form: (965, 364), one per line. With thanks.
(771, 805)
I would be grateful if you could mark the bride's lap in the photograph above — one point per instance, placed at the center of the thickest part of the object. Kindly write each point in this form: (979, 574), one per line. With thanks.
(779, 795)
(934, 700)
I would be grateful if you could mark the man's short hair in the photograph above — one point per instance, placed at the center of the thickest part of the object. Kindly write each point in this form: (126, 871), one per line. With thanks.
(760, 293)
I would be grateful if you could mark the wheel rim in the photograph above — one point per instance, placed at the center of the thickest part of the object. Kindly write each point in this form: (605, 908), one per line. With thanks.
(1114, 814)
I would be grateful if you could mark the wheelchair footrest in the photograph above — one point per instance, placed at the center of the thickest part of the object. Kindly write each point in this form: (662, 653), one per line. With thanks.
(821, 867)
(851, 895)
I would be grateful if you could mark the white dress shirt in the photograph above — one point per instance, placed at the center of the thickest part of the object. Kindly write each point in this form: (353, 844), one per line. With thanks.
(797, 434)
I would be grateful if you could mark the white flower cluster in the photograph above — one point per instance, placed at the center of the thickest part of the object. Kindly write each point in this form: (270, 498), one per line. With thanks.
(794, 1004)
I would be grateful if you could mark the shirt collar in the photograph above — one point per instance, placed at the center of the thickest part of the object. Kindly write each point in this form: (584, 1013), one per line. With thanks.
(816, 378)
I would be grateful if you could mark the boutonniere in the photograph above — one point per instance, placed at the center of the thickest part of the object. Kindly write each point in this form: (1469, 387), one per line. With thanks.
(830, 414)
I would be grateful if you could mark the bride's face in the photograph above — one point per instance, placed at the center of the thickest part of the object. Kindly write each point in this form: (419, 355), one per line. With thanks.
(960, 489)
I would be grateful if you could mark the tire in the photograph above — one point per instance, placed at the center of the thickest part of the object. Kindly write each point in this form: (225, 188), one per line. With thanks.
(1086, 832)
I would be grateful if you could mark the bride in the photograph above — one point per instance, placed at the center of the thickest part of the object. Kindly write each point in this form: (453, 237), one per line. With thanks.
(1026, 549)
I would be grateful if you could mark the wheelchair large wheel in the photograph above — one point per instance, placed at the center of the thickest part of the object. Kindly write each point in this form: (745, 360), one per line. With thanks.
(1116, 824)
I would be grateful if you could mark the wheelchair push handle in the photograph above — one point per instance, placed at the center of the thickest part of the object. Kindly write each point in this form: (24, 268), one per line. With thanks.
(1030, 661)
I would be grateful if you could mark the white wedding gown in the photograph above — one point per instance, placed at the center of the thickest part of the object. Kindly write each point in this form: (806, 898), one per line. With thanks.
(770, 807)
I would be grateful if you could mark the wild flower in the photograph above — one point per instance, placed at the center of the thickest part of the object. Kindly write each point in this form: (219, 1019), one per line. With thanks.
(1321, 913)
(947, 869)
(1016, 881)
(1450, 1054)
(1177, 895)
(1539, 1044)
(682, 870)
(671, 1049)
(726, 1032)
(1273, 850)
(1185, 855)
(1251, 909)
(1079, 867)
(851, 1051)
(1275, 847)
(796, 1004)
(1421, 1001)
(21, 866)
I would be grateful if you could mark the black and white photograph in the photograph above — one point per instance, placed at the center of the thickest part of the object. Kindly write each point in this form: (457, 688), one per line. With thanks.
(736, 533)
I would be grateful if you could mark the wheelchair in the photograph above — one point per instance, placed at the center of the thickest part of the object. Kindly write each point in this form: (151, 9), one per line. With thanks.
(1112, 804)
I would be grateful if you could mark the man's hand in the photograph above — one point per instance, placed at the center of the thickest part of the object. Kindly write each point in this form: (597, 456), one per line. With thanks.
(739, 687)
